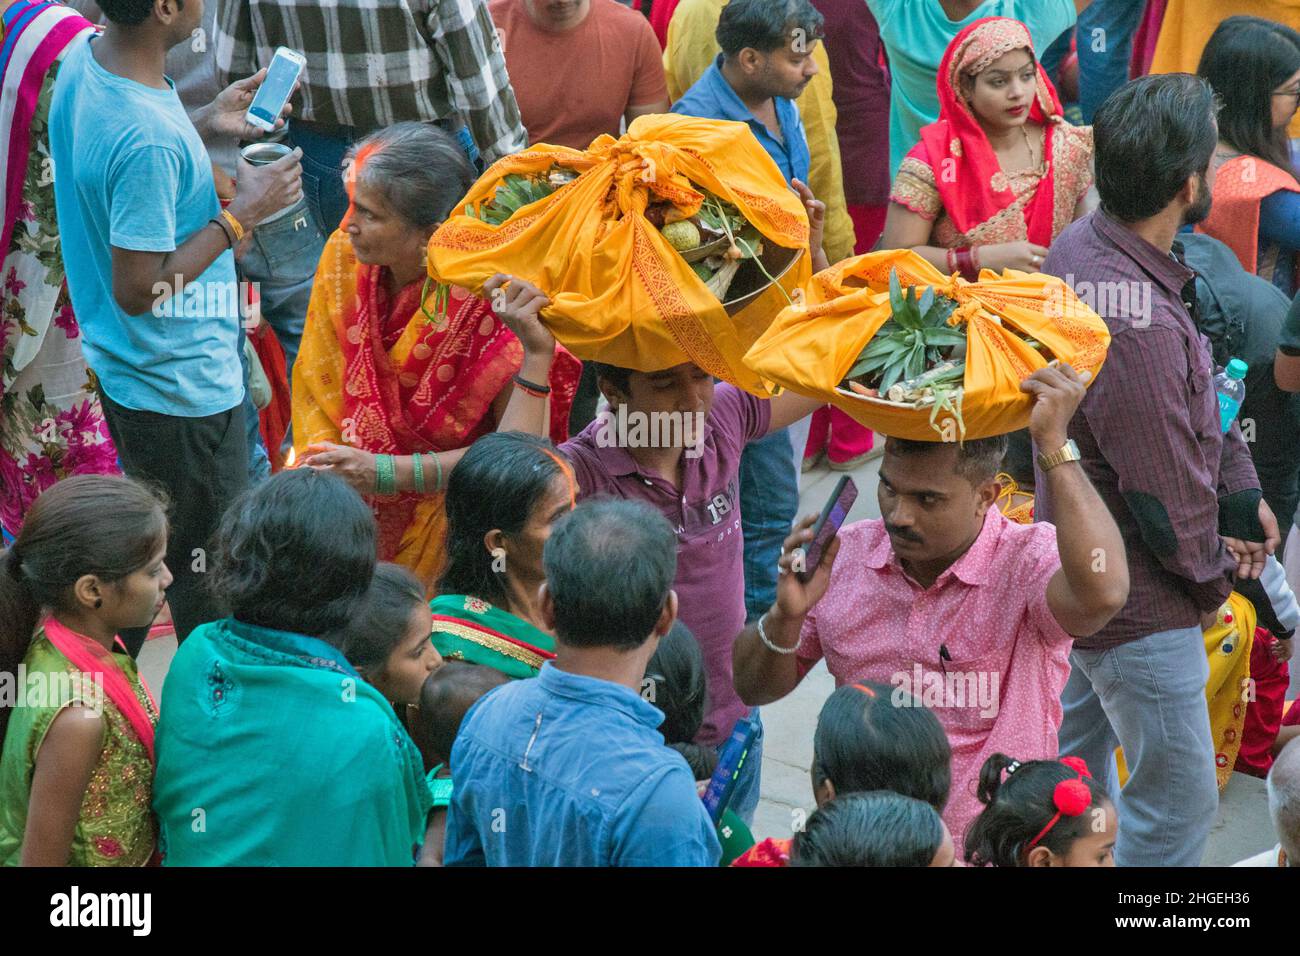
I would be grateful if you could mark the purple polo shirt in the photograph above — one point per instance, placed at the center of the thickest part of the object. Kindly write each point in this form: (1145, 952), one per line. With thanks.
(705, 513)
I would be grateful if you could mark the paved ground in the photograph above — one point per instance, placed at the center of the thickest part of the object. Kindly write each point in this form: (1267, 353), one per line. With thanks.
(1241, 830)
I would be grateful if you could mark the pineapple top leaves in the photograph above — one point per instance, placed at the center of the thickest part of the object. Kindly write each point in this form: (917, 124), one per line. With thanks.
(914, 338)
(514, 193)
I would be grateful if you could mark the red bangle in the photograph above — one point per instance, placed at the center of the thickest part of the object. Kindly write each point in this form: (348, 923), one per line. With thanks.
(952, 266)
(966, 264)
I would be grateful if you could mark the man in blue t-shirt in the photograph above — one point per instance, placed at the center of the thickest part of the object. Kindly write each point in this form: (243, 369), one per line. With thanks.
(150, 266)
(568, 768)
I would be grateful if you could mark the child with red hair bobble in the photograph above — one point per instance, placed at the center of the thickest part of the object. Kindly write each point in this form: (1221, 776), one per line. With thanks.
(1041, 813)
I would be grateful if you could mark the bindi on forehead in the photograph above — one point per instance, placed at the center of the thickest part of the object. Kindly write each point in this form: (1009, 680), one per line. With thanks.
(1014, 62)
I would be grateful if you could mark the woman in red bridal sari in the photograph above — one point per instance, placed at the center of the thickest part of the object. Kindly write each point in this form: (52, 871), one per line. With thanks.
(392, 384)
(998, 176)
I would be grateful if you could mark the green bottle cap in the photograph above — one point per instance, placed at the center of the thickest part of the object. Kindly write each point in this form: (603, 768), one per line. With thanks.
(1237, 369)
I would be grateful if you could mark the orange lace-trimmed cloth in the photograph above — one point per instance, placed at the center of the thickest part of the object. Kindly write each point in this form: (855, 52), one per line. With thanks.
(953, 177)
(811, 346)
(619, 292)
(373, 372)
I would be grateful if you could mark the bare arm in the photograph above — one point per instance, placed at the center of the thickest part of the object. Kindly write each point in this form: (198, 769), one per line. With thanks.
(434, 836)
(788, 408)
(144, 280)
(64, 765)
(905, 229)
(1286, 372)
(1092, 584)
(632, 112)
(761, 675)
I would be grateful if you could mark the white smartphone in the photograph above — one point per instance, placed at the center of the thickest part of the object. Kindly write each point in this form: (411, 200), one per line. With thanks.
(286, 66)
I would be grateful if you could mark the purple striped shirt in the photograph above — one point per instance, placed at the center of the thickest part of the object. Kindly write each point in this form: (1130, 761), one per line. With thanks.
(1148, 429)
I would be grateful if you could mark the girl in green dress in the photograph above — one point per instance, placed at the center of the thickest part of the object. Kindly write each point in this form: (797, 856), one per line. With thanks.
(502, 500)
(77, 765)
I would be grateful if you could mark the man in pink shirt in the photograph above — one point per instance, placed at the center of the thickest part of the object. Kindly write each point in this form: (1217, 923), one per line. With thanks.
(950, 602)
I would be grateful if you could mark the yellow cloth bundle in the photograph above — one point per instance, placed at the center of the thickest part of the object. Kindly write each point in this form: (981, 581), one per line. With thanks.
(619, 292)
(813, 344)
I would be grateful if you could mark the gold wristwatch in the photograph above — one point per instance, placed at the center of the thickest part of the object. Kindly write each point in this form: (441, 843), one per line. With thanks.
(1067, 452)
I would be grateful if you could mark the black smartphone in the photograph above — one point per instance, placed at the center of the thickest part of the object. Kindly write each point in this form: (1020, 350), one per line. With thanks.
(832, 516)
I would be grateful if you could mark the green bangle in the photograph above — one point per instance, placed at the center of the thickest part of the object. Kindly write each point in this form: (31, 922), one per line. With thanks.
(417, 472)
(437, 485)
(385, 475)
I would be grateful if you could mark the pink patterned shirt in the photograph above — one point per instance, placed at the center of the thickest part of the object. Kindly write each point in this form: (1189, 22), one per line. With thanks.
(980, 646)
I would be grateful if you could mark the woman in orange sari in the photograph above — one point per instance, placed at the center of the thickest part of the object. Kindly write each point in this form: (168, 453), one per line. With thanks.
(998, 176)
(1254, 67)
(394, 382)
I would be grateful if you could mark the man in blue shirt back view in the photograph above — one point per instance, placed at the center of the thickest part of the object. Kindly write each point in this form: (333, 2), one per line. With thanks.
(568, 768)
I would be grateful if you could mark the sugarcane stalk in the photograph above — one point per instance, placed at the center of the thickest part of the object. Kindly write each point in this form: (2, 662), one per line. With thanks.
(721, 280)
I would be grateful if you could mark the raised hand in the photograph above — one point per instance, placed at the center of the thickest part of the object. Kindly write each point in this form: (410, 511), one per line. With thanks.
(518, 303)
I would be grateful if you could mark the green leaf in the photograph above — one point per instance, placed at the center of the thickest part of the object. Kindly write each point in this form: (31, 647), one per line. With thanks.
(915, 364)
(896, 304)
(892, 373)
(943, 336)
(879, 345)
(927, 301)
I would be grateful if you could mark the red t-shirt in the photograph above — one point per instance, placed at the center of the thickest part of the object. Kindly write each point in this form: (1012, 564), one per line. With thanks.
(573, 86)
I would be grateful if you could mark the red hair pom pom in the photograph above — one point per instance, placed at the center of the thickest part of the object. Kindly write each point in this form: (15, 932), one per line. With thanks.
(1078, 765)
(1072, 797)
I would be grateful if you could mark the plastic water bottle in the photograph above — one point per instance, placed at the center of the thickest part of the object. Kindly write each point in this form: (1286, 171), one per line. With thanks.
(1232, 392)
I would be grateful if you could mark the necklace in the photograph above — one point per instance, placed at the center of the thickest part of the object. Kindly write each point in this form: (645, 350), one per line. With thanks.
(1028, 146)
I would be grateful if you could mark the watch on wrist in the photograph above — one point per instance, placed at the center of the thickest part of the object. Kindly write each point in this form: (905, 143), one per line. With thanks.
(1067, 452)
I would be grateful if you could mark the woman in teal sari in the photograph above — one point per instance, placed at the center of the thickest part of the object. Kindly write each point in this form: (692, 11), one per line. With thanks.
(502, 500)
(276, 752)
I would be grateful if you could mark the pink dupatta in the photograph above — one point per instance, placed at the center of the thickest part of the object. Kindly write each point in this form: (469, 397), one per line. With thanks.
(91, 658)
(40, 32)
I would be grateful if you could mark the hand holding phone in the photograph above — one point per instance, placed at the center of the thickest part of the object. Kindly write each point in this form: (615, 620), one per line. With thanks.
(279, 84)
(833, 514)
(805, 573)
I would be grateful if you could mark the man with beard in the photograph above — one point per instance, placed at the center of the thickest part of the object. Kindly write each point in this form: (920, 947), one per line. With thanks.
(1184, 494)
(954, 605)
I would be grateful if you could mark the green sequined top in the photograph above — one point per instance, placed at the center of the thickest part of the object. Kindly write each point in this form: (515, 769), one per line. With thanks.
(116, 827)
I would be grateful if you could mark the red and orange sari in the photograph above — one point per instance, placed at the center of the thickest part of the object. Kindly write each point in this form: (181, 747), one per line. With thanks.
(1241, 183)
(952, 175)
(375, 373)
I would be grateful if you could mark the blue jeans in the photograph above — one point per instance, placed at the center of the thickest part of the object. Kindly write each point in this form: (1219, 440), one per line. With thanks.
(281, 258)
(744, 798)
(322, 172)
(1107, 25)
(769, 498)
(259, 464)
(1148, 696)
